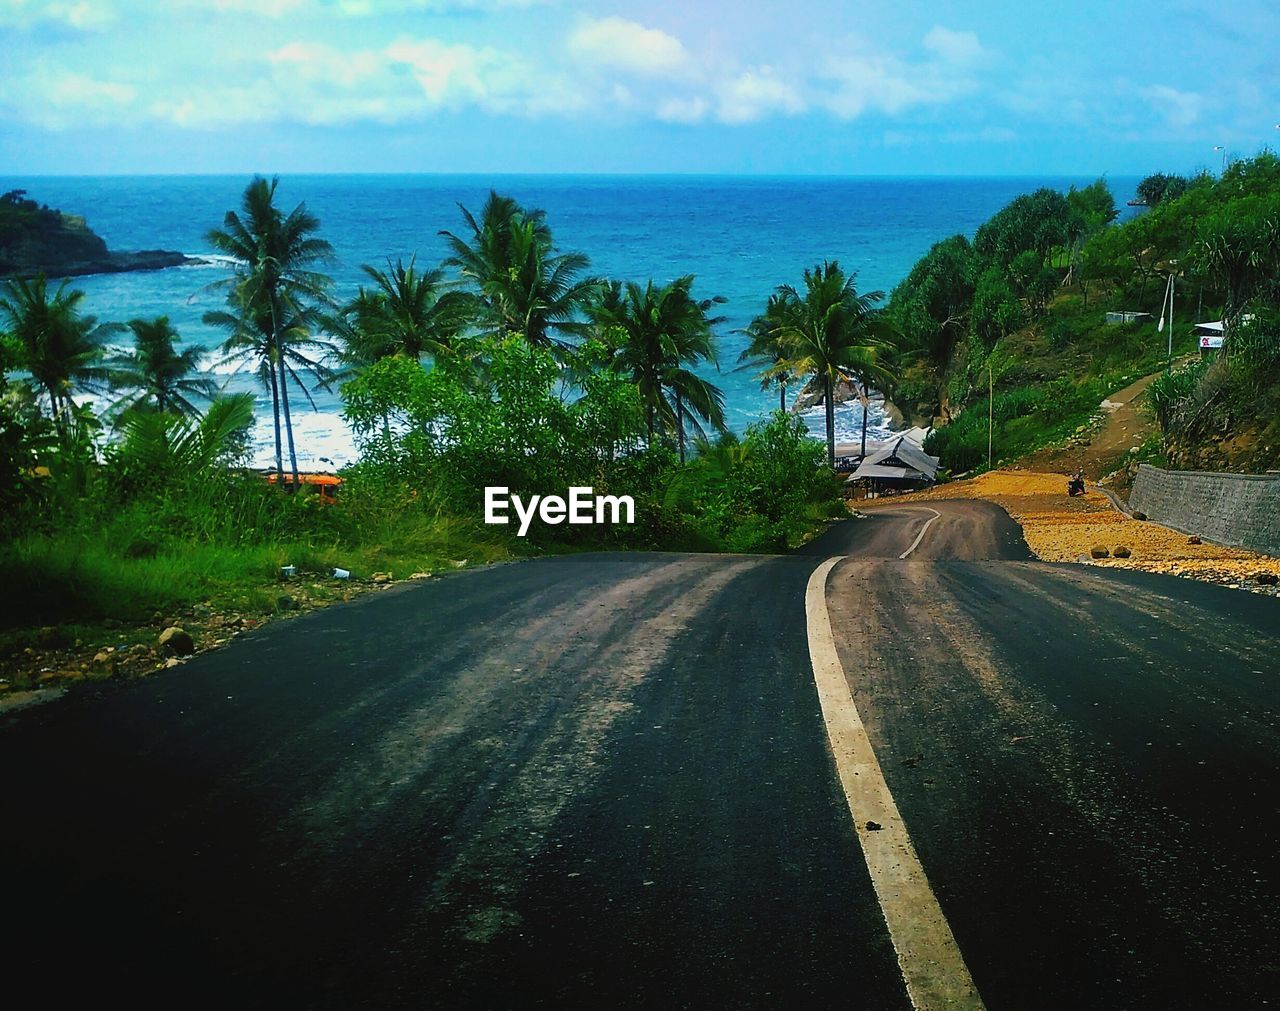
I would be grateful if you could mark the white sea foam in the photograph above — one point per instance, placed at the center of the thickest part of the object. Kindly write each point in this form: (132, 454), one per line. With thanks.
(209, 261)
(848, 421)
(213, 363)
(323, 441)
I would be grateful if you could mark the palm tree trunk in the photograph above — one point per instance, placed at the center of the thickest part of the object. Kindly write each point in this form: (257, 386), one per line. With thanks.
(288, 423)
(275, 414)
(865, 401)
(831, 421)
(680, 424)
(53, 407)
(782, 390)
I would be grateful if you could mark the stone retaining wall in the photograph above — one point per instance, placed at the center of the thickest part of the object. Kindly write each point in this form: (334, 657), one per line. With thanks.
(1238, 510)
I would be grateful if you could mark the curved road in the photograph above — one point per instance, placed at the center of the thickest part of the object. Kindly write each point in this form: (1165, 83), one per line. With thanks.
(605, 780)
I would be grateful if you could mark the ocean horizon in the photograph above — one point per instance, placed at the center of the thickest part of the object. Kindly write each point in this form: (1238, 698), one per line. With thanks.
(741, 236)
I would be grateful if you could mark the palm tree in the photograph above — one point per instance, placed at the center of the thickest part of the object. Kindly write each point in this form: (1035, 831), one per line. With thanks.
(274, 292)
(834, 333)
(62, 349)
(865, 369)
(767, 350)
(408, 312)
(159, 375)
(160, 444)
(654, 333)
(276, 347)
(520, 283)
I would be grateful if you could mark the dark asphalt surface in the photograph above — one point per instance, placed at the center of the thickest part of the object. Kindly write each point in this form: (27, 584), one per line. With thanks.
(605, 780)
(585, 780)
(1088, 761)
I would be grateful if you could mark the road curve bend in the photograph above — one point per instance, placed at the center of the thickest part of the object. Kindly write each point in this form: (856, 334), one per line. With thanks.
(606, 779)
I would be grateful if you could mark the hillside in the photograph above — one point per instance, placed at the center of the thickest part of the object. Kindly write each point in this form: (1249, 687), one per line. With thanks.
(37, 239)
(1021, 310)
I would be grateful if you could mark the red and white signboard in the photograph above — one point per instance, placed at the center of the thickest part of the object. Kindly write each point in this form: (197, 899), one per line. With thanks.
(1210, 341)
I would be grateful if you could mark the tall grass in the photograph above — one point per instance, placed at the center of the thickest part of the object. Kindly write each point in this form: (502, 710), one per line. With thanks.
(1025, 418)
(222, 542)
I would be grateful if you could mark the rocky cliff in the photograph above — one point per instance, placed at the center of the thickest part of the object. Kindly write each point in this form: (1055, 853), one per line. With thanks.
(37, 239)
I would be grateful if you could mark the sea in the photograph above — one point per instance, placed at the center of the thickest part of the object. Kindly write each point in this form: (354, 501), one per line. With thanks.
(740, 236)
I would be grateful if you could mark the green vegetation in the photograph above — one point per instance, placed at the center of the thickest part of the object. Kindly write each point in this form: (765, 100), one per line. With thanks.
(828, 331)
(511, 364)
(1022, 308)
(508, 365)
(275, 299)
(33, 234)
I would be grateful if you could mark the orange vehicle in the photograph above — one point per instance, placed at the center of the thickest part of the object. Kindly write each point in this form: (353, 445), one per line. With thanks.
(325, 485)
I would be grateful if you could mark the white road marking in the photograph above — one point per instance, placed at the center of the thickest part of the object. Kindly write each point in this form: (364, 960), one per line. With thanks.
(920, 536)
(932, 966)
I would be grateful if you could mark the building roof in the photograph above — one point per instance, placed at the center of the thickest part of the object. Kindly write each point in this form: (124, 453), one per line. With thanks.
(900, 458)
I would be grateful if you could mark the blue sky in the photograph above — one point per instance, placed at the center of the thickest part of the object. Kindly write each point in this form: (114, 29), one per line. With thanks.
(820, 86)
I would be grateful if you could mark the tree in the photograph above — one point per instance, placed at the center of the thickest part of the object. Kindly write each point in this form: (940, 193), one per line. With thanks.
(274, 292)
(160, 376)
(655, 333)
(930, 308)
(159, 448)
(997, 310)
(1103, 257)
(61, 348)
(1093, 209)
(766, 349)
(1032, 280)
(1039, 221)
(24, 434)
(276, 345)
(1159, 187)
(407, 312)
(834, 332)
(1239, 248)
(1094, 204)
(521, 284)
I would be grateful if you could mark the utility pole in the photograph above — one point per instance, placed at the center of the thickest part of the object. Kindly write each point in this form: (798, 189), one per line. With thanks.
(991, 409)
(1167, 304)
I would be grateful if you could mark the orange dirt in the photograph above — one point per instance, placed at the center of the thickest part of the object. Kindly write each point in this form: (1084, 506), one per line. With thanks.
(1063, 529)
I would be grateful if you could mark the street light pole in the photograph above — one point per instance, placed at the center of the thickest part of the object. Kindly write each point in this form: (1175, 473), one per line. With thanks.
(1223, 149)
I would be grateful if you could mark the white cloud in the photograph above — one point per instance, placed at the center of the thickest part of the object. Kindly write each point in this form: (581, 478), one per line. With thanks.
(954, 47)
(81, 91)
(267, 8)
(625, 45)
(453, 75)
(278, 9)
(878, 83)
(1180, 109)
(57, 97)
(315, 61)
(215, 78)
(366, 8)
(754, 94)
(683, 110)
(85, 15)
(869, 80)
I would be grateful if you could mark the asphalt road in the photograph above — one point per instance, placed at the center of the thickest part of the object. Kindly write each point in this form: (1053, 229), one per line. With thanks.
(605, 780)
